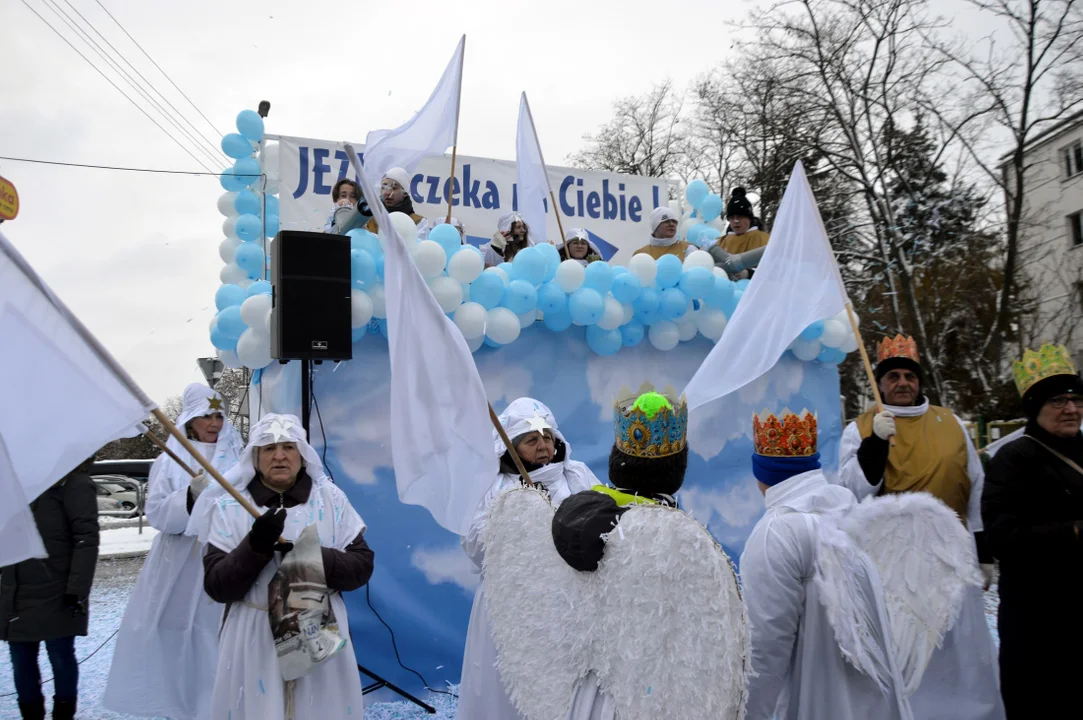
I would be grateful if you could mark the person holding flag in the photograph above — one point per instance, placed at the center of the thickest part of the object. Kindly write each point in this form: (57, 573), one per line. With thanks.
(167, 647)
(580, 247)
(394, 194)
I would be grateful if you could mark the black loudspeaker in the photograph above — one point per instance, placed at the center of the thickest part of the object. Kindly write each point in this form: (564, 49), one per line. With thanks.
(310, 316)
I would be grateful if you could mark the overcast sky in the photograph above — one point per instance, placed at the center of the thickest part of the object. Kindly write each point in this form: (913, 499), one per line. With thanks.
(135, 255)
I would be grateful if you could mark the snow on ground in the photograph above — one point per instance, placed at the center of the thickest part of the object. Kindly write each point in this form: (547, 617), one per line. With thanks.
(125, 540)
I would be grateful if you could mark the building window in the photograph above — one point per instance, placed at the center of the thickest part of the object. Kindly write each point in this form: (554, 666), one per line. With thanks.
(1075, 228)
(1073, 159)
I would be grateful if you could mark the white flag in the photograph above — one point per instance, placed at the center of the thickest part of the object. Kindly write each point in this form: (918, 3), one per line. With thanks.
(442, 446)
(430, 131)
(63, 397)
(531, 180)
(796, 284)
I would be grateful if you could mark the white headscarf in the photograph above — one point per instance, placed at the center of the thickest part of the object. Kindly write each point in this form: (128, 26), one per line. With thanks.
(506, 221)
(579, 234)
(199, 401)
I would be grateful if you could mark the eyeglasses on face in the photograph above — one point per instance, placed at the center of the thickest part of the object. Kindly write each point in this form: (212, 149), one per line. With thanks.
(1061, 401)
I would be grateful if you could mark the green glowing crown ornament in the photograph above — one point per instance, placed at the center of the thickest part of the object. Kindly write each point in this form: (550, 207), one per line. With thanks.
(648, 423)
(1050, 360)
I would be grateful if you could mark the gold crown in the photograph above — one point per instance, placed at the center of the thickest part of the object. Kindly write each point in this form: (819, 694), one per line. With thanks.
(1050, 360)
(791, 436)
(901, 346)
(649, 424)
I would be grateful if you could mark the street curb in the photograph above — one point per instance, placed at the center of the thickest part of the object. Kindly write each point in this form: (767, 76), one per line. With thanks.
(124, 555)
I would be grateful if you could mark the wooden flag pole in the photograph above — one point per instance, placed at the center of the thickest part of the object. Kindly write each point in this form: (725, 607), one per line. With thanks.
(868, 364)
(455, 145)
(451, 181)
(560, 226)
(511, 448)
(155, 439)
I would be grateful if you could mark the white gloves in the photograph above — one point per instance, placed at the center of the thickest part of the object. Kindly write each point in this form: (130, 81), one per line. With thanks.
(198, 484)
(989, 571)
(883, 425)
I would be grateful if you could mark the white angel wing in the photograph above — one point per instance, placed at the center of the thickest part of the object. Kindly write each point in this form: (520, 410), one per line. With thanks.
(926, 559)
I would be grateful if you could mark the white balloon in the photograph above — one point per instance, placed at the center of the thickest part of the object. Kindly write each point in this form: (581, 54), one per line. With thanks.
(361, 308)
(246, 283)
(570, 275)
(228, 227)
(267, 322)
(271, 188)
(664, 335)
(254, 310)
(225, 204)
(682, 231)
(379, 305)
(475, 343)
(405, 226)
(465, 267)
(466, 289)
(448, 293)
(214, 321)
(499, 272)
(270, 159)
(718, 224)
(502, 327)
(613, 316)
(644, 268)
(527, 319)
(834, 333)
(849, 344)
(471, 318)
(629, 312)
(719, 272)
(806, 350)
(254, 349)
(699, 258)
(711, 323)
(230, 359)
(675, 208)
(844, 318)
(430, 258)
(232, 275)
(227, 249)
(687, 325)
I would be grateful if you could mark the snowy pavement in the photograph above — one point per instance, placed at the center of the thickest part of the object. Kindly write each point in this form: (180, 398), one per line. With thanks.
(125, 541)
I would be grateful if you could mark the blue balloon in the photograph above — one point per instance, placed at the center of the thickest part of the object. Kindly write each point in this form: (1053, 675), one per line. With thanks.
(250, 124)
(247, 203)
(447, 237)
(619, 270)
(228, 296)
(249, 258)
(708, 235)
(248, 228)
(221, 340)
(231, 182)
(271, 226)
(742, 284)
(697, 282)
(271, 201)
(236, 146)
(247, 171)
(487, 290)
(813, 331)
(669, 271)
(531, 265)
(260, 287)
(632, 333)
(362, 266)
(586, 306)
(520, 297)
(380, 266)
(229, 321)
(489, 342)
(696, 191)
(603, 342)
(557, 321)
(552, 260)
(647, 306)
(710, 208)
(381, 323)
(361, 239)
(831, 356)
(694, 232)
(674, 304)
(721, 293)
(626, 288)
(358, 333)
(599, 276)
(552, 299)
(509, 270)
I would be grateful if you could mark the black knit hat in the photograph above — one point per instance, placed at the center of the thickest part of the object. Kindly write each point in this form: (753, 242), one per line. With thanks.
(895, 363)
(739, 204)
(648, 477)
(1041, 391)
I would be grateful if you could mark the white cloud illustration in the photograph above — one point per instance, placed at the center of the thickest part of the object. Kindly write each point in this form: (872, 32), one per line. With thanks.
(447, 565)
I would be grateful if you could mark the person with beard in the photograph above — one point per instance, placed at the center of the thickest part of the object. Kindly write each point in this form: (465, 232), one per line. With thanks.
(546, 456)
(914, 446)
(1033, 512)
(512, 235)
(351, 214)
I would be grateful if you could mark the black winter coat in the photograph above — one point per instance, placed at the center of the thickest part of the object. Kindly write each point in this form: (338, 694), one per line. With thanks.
(1032, 508)
(32, 593)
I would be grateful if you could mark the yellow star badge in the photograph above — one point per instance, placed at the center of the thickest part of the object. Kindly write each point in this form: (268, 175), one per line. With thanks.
(215, 403)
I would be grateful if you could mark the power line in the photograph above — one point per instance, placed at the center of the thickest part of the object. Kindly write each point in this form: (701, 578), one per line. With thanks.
(163, 72)
(115, 86)
(112, 167)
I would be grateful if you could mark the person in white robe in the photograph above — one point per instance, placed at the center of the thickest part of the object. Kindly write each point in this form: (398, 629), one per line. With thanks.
(280, 471)
(546, 455)
(167, 647)
(512, 235)
(580, 246)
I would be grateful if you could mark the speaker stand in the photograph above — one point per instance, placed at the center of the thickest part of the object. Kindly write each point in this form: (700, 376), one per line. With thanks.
(306, 405)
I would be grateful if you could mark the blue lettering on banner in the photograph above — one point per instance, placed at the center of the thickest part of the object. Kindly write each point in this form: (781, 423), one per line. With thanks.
(454, 193)
(565, 206)
(472, 188)
(319, 169)
(635, 208)
(302, 179)
(343, 164)
(491, 199)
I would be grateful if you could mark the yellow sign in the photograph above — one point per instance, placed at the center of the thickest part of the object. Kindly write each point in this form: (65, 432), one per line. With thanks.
(9, 200)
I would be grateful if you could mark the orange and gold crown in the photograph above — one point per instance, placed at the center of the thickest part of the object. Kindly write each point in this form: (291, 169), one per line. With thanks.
(901, 346)
(789, 436)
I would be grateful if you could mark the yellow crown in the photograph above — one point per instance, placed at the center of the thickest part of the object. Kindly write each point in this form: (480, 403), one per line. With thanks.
(901, 346)
(1050, 360)
(649, 424)
(789, 436)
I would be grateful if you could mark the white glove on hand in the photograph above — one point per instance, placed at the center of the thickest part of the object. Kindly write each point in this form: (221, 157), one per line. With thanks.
(883, 425)
(198, 484)
(988, 571)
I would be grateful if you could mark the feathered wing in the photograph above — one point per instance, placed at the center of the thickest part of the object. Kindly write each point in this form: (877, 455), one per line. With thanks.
(926, 559)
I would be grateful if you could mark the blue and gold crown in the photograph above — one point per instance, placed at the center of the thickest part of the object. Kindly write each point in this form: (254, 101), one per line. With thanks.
(650, 424)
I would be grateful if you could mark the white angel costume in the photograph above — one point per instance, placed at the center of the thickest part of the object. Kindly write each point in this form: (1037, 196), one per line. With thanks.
(579, 234)
(482, 693)
(249, 683)
(167, 647)
(503, 225)
(962, 682)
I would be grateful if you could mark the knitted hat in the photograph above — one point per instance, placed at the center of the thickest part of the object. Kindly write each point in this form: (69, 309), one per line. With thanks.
(400, 176)
(739, 204)
(660, 215)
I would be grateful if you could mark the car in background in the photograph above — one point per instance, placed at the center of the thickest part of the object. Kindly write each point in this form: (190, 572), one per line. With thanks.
(107, 503)
(131, 469)
(124, 490)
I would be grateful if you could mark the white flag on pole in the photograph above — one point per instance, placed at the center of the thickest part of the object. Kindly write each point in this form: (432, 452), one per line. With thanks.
(532, 182)
(63, 396)
(429, 132)
(442, 446)
(796, 284)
